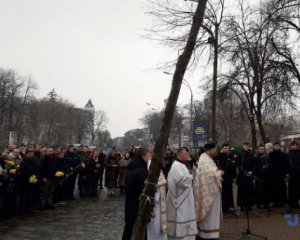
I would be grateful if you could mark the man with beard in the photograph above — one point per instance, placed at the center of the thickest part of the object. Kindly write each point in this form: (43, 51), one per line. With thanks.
(262, 178)
(294, 175)
(278, 169)
(245, 165)
(73, 162)
(228, 165)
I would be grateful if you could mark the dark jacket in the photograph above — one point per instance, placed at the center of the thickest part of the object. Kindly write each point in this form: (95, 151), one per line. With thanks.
(228, 165)
(26, 170)
(294, 162)
(94, 166)
(246, 162)
(278, 163)
(48, 168)
(137, 173)
(262, 166)
(62, 165)
(72, 160)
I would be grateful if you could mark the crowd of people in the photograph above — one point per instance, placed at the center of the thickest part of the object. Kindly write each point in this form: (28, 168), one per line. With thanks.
(36, 177)
(191, 188)
(266, 177)
(192, 193)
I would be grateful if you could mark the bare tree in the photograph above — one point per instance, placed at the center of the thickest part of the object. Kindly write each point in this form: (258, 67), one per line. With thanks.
(286, 11)
(259, 76)
(98, 121)
(152, 121)
(22, 119)
(104, 139)
(174, 20)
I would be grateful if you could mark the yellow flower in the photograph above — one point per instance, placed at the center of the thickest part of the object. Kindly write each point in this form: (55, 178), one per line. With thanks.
(10, 163)
(33, 179)
(13, 171)
(82, 165)
(59, 174)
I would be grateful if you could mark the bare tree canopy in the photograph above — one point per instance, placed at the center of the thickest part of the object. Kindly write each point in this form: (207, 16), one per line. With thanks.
(259, 75)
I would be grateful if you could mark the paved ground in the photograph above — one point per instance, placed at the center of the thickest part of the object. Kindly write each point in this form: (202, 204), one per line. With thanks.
(78, 220)
(103, 219)
(270, 224)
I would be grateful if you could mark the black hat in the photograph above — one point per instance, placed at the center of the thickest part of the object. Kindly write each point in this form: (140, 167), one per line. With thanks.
(209, 146)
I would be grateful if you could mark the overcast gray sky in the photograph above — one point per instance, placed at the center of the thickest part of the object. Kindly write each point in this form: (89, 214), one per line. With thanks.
(88, 49)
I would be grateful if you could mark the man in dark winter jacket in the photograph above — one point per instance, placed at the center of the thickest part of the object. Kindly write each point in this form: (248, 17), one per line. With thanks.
(83, 173)
(94, 171)
(47, 177)
(262, 177)
(137, 174)
(27, 170)
(102, 158)
(59, 194)
(245, 165)
(294, 175)
(73, 163)
(228, 165)
(278, 169)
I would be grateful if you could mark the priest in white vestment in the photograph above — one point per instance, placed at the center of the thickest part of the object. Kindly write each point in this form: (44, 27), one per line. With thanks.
(180, 200)
(207, 190)
(157, 227)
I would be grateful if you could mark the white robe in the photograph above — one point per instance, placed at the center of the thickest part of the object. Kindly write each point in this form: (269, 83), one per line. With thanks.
(154, 231)
(180, 204)
(210, 226)
(154, 228)
(208, 198)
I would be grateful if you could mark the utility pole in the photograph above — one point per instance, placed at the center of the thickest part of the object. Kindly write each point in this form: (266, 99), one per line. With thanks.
(215, 85)
(186, 83)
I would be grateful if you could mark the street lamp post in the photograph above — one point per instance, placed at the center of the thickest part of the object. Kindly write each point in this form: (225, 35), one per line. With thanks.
(186, 83)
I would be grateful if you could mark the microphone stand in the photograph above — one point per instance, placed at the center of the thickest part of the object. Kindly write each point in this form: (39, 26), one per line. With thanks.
(248, 230)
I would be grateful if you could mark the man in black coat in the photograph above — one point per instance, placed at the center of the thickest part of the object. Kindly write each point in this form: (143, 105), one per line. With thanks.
(294, 175)
(83, 174)
(2, 186)
(27, 169)
(94, 171)
(137, 174)
(47, 178)
(59, 194)
(228, 165)
(278, 169)
(102, 158)
(262, 176)
(73, 162)
(245, 165)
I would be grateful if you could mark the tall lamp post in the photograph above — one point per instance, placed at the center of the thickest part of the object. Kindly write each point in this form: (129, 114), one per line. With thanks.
(186, 83)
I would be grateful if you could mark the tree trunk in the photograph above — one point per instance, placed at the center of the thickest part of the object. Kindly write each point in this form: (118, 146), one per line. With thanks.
(261, 128)
(146, 207)
(253, 133)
